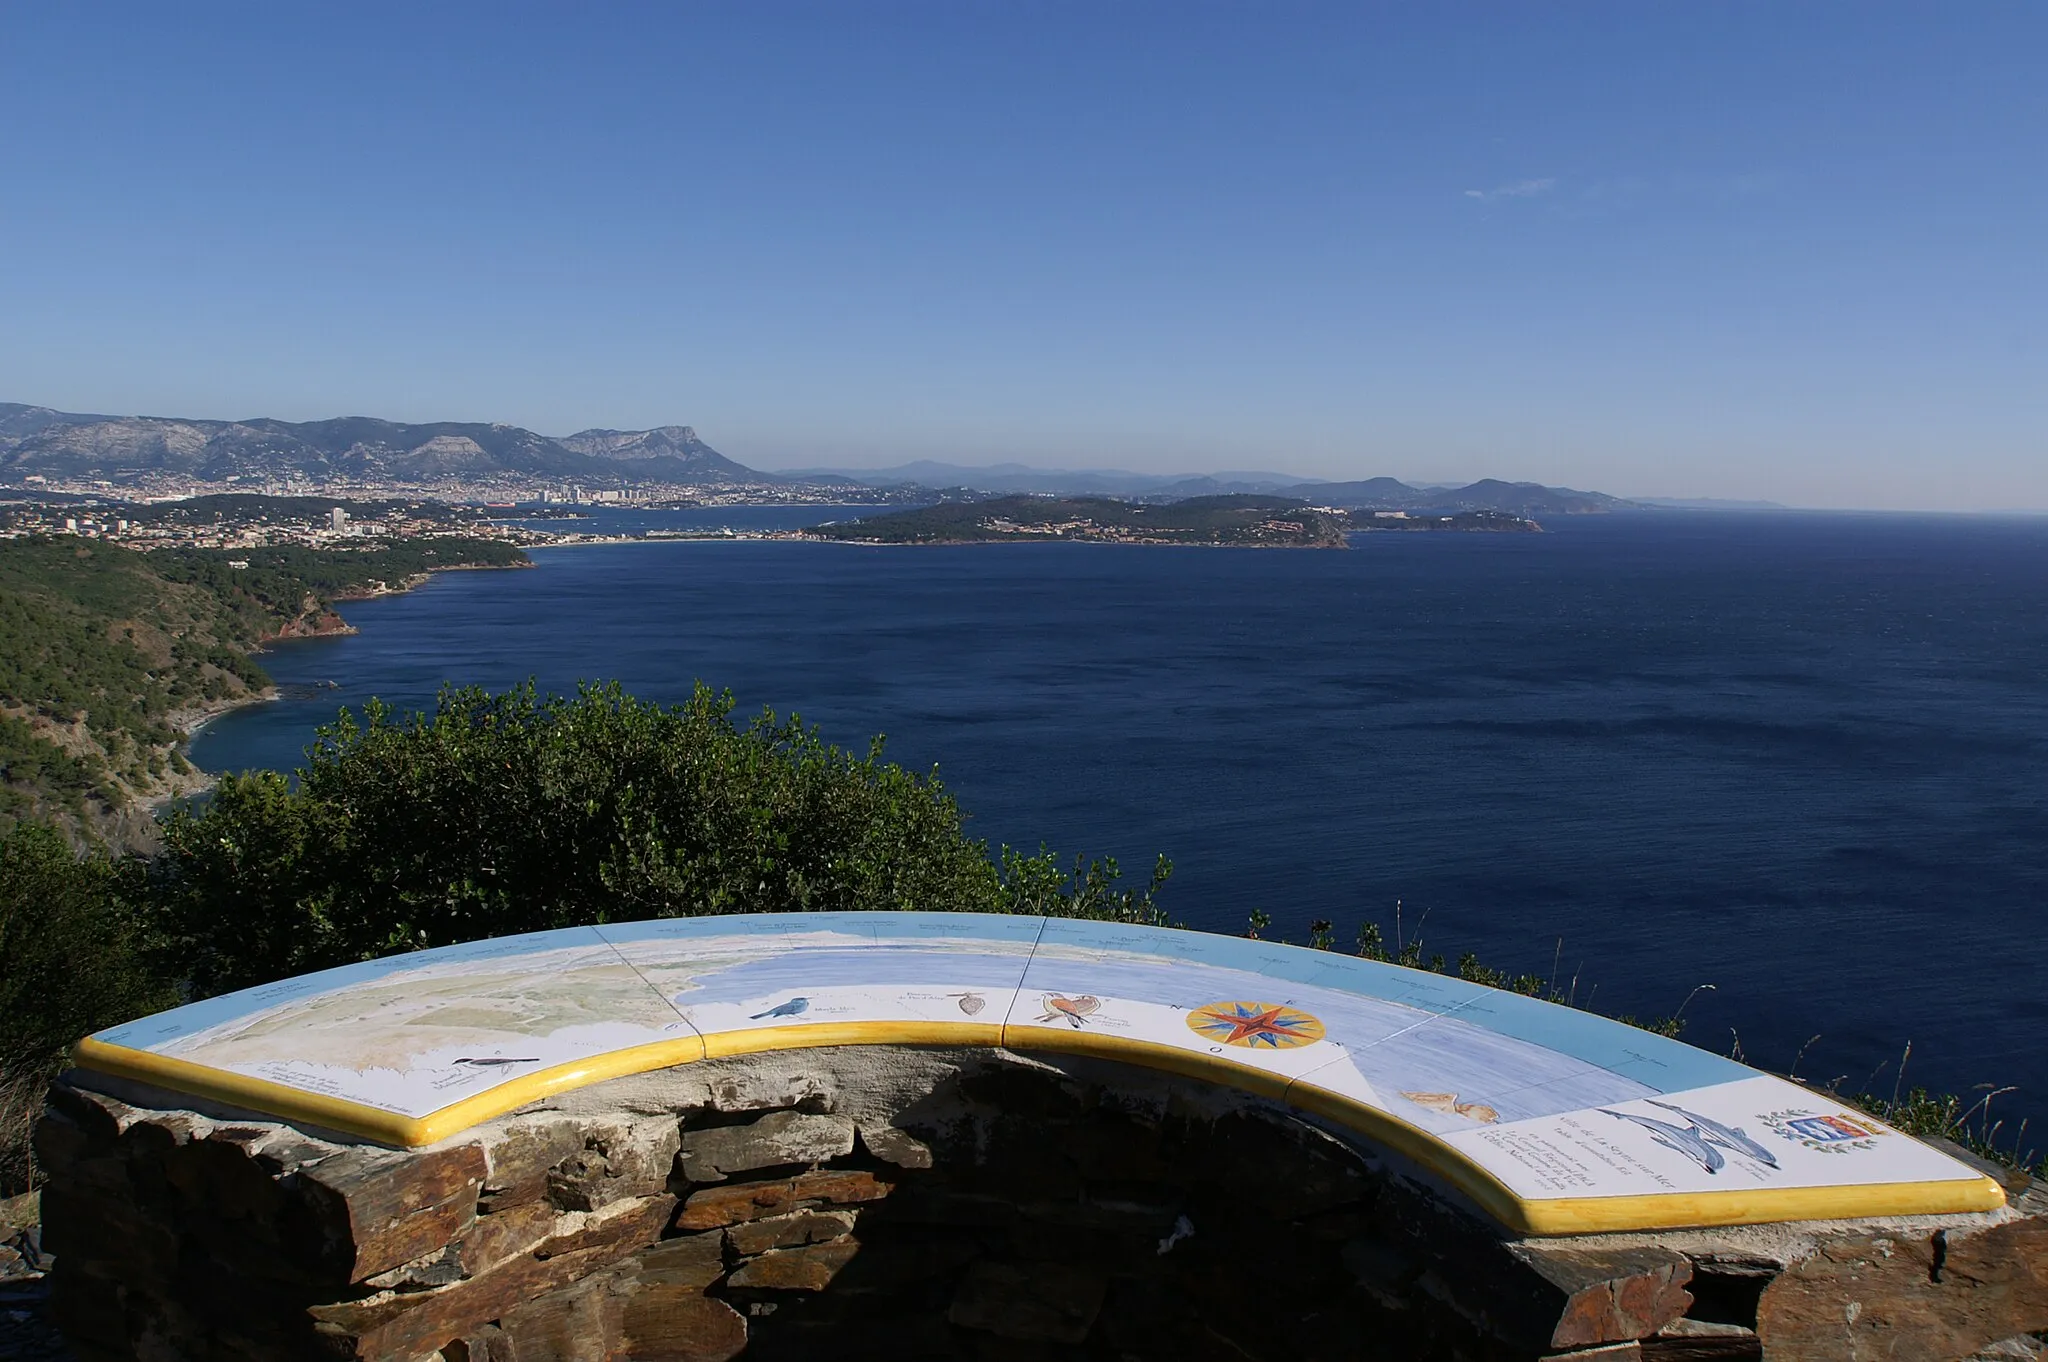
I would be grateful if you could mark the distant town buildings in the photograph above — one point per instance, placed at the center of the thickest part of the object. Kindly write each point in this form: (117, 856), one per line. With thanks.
(471, 508)
(250, 527)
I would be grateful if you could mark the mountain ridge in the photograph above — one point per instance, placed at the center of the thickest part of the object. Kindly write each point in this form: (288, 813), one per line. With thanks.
(1023, 478)
(128, 450)
(41, 440)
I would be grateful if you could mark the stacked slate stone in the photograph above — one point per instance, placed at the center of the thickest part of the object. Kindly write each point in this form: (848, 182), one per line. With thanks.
(1015, 1212)
(25, 1332)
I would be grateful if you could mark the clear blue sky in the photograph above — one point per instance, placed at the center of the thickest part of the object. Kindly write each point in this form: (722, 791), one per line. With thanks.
(1796, 251)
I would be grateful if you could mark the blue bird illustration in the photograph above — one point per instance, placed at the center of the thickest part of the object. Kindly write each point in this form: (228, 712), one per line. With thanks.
(1687, 1140)
(788, 1009)
(1731, 1138)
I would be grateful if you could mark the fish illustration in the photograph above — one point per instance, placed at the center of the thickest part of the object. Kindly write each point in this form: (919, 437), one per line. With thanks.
(1690, 1141)
(970, 1003)
(1073, 1009)
(1731, 1138)
(491, 1063)
(788, 1009)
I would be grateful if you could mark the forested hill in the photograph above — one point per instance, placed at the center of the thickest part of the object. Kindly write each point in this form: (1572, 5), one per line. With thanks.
(109, 655)
(1248, 521)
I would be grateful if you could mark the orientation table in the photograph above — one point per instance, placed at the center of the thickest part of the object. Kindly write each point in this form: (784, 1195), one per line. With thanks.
(1555, 1121)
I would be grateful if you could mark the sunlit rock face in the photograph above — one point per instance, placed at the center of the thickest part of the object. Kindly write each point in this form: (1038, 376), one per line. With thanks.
(927, 1203)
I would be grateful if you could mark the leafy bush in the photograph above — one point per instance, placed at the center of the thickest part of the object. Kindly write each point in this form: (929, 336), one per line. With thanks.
(73, 959)
(513, 812)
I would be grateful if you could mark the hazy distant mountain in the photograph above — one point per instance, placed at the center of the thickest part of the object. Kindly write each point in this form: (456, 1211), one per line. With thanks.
(1221, 485)
(39, 440)
(1488, 494)
(17, 420)
(1524, 498)
(1379, 494)
(664, 454)
(1017, 477)
(69, 444)
(1385, 494)
(1709, 504)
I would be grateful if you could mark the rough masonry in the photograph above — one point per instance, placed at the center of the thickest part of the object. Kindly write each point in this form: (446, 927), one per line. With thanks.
(911, 1204)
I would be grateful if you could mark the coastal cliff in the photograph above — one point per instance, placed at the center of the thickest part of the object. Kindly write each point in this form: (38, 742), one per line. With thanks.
(315, 619)
(110, 658)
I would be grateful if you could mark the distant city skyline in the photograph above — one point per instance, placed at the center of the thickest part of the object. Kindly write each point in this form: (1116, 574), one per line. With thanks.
(1741, 251)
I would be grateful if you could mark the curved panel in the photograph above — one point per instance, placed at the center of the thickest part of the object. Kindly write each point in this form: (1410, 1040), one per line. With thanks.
(1554, 1121)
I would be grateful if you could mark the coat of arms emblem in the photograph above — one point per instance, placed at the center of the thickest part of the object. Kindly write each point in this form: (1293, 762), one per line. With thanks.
(1830, 1133)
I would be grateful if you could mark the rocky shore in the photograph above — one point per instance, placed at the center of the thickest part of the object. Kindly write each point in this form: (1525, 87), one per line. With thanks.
(316, 619)
(26, 1332)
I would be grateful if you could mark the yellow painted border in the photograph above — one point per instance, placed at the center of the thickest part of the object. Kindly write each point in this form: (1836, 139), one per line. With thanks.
(1660, 1211)
(257, 1094)
(1559, 1216)
(816, 1035)
(371, 1123)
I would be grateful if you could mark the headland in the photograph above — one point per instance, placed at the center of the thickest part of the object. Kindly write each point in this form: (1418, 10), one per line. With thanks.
(1234, 521)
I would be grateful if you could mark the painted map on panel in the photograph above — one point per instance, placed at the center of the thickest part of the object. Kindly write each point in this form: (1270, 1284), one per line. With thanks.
(1550, 1102)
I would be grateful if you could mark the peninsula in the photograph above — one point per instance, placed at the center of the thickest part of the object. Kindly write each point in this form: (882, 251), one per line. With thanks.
(1242, 521)
(1235, 521)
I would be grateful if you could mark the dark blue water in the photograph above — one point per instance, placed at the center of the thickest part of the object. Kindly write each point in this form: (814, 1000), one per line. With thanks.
(1800, 758)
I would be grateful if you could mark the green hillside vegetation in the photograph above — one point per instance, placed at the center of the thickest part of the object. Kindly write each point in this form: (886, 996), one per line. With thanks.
(280, 578)
(241, 508)
(101, 653)
(106, 654)
(1244, 520)
(74, 958)
(595, 808)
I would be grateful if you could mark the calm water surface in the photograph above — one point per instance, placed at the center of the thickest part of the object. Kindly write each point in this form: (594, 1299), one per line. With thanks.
(1797, 757)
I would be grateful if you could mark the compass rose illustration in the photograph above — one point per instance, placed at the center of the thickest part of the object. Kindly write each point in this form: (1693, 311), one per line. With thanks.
(1256, 1026)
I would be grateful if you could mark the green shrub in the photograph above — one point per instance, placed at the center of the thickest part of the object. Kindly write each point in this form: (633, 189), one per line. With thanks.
(74, 958)
(502, 813)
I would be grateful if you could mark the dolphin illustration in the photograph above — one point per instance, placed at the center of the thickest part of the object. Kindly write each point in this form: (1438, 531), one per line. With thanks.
(1731, 1138)
(788, 1009)
(1686, 1140)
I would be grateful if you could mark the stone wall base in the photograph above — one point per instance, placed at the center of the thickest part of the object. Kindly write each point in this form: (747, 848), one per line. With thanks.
(915, 1204)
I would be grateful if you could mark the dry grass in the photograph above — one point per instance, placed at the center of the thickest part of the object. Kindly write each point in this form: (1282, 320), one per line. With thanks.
(21, 1105)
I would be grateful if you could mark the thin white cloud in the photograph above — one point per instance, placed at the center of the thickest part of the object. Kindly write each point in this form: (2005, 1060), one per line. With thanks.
(1519, 189)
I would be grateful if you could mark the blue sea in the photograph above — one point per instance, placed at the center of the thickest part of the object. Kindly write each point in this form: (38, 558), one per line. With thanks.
(1799, 758)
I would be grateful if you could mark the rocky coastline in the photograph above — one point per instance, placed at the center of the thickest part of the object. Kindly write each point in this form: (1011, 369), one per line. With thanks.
(316, 619)
(373, 590)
